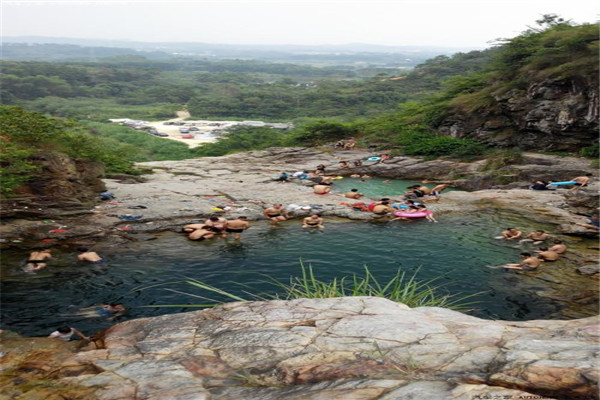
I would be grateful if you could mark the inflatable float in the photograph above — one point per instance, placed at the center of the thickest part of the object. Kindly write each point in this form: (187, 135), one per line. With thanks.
(420, 214)
(561, 183)
(373, 158)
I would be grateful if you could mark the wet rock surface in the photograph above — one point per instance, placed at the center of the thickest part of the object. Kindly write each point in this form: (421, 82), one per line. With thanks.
(342, 348)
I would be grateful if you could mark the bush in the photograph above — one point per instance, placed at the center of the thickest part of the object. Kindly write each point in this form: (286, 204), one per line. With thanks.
(590, 151)
(320, 132)
(241, 138)
(25, 133)
(429, 144)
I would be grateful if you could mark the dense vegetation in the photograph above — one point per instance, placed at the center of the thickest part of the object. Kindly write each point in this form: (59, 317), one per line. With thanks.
(137, 87)
(395, 113)
(26, 133)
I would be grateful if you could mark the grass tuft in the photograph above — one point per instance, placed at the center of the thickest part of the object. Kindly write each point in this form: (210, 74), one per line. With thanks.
(401, 288)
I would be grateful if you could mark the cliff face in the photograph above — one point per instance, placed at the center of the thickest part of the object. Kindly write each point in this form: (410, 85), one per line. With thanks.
(63, 182)
(555, 115)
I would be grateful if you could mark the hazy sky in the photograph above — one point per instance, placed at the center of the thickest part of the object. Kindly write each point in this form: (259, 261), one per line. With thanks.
(460, 23)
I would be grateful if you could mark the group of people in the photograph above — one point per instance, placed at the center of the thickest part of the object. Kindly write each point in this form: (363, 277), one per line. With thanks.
(347, 144)
(546, 253)
(217, 226)
(576, 183)
(38, 259)
(107, 311)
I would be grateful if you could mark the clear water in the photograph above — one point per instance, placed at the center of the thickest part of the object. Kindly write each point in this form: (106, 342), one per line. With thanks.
(457, 250)
(377, 187)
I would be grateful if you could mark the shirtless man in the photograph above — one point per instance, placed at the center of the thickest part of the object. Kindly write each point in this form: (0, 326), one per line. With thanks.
(547, 255)
(275, 213)
(237, 226)
(581, 181)
(382, 209)
(558, 247)
(86, 255)
(537, 237)
(314, 221)
(353, 194)
(216, 222)
(512, 234)
(199, 231)
(37, 259)
(529, 263)
(321, 189)
(436, 191)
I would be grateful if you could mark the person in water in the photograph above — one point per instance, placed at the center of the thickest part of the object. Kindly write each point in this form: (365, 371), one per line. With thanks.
(275, 214)
(111, 311)
(353, 194)
(37, 259)
(66, 333)
(237, 226)
(537, 237)
(529, 263)
(218, 223)
(511, 234)
(90, 256)
(200, 231)
(547, 255)
(314, 221)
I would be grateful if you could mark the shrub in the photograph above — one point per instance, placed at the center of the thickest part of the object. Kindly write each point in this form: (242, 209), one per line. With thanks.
(429, 144)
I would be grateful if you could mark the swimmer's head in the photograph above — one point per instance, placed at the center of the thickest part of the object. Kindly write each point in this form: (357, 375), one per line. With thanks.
(525, 254)
(64, 329)
(82, 249)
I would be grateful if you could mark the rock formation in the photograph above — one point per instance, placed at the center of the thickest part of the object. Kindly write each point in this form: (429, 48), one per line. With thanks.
(339, 348)
(550, 115)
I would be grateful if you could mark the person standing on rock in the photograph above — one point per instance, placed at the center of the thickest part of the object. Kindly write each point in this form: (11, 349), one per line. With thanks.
(275, 214)
(236, 227)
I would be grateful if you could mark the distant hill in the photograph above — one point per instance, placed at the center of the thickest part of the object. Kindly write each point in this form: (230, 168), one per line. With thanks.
(37, 48)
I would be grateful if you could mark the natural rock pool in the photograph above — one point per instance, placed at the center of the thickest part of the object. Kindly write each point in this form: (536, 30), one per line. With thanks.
(457, 250)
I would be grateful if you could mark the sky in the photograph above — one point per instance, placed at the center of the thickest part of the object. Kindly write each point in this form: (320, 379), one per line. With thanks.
(450, 23)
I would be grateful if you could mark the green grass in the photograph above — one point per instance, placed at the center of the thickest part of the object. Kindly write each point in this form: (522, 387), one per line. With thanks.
(401, 288)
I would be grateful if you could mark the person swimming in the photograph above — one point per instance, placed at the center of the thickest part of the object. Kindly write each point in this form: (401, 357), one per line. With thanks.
(90, 256)
(37, 259)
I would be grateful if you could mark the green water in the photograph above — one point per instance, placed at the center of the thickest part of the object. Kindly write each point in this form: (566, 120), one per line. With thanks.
(378, 187)
(456, 250)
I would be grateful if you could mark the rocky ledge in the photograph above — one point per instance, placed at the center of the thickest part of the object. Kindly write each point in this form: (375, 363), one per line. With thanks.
(340, 348)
